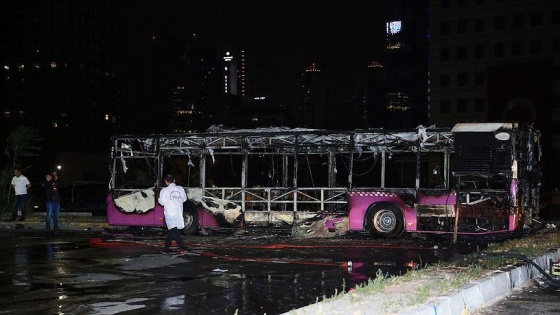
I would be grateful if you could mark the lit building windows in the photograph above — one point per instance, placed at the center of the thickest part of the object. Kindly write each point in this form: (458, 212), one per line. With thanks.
(396, 45)
(398, 102)
(394, 27)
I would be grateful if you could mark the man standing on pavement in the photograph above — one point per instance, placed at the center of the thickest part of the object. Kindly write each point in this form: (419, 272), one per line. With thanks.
(172, 198)
(52, 199)
(20, 183)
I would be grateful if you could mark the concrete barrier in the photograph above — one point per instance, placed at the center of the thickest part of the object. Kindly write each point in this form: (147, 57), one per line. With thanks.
(485, 291)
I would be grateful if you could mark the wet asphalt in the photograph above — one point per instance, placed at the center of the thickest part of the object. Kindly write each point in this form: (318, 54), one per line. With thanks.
(73, 272)
(537, 298)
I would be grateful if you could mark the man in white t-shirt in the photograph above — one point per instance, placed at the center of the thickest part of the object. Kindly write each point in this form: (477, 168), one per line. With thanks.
(20, 183)
(172, 198)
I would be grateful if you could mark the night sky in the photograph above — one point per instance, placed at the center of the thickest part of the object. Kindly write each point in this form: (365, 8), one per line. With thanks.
(282, 38)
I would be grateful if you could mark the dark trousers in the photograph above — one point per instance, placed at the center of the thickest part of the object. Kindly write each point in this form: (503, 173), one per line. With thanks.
(174, 234)
(20, 203)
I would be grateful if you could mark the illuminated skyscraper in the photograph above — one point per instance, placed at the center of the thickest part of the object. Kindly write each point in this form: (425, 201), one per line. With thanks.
(234, 72)
(311, 108)
(406, 64)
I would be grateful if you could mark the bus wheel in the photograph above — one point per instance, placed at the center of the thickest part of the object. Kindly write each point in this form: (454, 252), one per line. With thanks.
(385, 220)
(190, 217)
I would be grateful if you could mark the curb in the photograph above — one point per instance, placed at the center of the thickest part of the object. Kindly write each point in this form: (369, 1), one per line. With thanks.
(470, 298)
(485, 291)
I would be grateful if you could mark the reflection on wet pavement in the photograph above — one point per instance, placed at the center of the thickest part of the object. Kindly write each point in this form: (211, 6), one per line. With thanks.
(248, 275)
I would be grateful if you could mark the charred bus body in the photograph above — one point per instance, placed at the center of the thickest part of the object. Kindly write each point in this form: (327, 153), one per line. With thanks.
(479, 178)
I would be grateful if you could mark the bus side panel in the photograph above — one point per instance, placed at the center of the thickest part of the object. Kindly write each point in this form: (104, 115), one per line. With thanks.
(207, 219)
(117, 217)
(433, 204)
(359, 202)
(410, 219)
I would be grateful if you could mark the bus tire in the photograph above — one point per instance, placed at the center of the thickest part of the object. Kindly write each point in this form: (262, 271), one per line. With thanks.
(385, 220)
(190, 217)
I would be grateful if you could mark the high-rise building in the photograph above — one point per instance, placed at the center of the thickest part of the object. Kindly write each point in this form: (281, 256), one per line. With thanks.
(406, 64)
(494, 60)
(58, 72)
(235, 72)
(498, 61)
(311, 109)
(367, 106)
(233, 82)
(56, 75)
(374, 111)
(196, 88)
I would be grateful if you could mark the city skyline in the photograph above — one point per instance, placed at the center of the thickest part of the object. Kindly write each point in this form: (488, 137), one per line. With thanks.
(281, 41)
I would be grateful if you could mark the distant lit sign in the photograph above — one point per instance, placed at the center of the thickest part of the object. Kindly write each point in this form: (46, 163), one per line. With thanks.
(228, 57)
(393, 27)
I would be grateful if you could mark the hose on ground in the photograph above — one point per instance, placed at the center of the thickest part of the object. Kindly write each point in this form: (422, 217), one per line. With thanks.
(551, 280)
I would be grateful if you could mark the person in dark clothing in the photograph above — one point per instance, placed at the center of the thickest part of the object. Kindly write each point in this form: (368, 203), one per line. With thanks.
(52, 199)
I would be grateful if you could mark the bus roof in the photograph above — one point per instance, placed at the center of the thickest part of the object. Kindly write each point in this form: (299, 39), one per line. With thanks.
(481, 127)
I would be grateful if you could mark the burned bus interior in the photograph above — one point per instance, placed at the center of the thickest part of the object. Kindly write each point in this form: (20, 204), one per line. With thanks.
(277, 177)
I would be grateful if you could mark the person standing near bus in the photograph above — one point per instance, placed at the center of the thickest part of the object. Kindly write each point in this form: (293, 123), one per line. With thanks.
(20, 183)
(172, 198)
(52, 199)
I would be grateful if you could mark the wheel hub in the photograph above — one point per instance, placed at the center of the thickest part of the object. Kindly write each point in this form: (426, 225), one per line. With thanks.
(384, 221)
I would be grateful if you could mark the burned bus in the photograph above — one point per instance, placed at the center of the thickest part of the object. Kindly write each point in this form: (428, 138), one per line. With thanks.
(472, 179)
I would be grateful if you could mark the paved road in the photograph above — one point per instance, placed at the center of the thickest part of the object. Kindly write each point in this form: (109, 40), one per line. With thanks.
(250, 274)
(536, 298)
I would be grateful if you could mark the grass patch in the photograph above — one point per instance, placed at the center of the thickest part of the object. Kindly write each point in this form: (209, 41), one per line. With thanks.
(418, 286)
